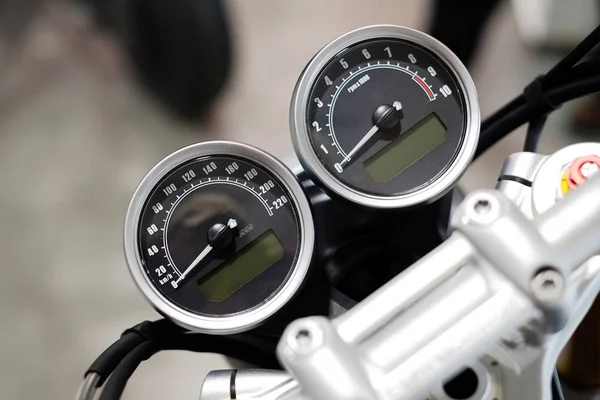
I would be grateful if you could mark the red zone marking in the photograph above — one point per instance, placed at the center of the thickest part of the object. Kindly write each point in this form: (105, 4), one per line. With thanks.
(424, 86)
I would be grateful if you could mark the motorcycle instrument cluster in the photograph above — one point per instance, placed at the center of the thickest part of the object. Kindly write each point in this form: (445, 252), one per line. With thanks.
(220, 235)
(230, 245)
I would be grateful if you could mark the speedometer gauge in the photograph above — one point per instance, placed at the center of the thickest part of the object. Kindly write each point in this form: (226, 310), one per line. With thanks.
(219, 236)
(385, 117)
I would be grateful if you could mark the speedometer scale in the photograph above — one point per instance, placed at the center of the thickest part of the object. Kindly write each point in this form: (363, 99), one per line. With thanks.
(205, 194)
(386, 117)
(219, 236)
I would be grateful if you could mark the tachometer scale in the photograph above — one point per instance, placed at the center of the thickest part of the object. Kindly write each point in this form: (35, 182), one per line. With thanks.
(219, 237)
(385, 117)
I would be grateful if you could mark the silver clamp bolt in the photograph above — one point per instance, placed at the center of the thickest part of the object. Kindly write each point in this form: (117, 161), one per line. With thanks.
(482, 209)
(305, 338)
(548, 285)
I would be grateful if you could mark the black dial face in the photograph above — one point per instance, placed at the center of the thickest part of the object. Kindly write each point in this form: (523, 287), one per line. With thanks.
(386, 117)
(219, 235)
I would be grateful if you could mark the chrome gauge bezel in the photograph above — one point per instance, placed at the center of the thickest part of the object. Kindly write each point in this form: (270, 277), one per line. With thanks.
(325, 178)
(245, 320)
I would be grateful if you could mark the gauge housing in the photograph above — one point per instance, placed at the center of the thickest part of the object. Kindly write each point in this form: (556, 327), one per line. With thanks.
(229, 321)
(370, 195)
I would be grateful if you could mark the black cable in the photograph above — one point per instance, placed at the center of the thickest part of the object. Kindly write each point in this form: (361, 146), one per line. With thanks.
(534, 132)
(116, 383)
(106, 363)
(243, 347)
(540, 105)
(585, 69)
(522, 114)
(501, 113)
(564, 68)
(557, 393)
(574, 56)
(575, 90)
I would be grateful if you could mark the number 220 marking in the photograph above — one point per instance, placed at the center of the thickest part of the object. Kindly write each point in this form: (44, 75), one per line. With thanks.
(278, 203)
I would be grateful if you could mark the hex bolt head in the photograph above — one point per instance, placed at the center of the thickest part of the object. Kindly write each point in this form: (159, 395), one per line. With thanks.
(483, 207)
(305, 338)
(548, 285)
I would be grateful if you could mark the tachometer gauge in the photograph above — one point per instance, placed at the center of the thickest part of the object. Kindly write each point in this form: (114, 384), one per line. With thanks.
(386, 117)
(219, 236)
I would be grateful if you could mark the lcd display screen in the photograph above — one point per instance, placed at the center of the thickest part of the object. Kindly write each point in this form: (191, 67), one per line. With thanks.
(408, 148)
(247, 264)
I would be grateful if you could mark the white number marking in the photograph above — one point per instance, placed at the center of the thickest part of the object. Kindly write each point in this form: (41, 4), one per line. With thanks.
(278, 203)
(152, 250)
(316, 126)
(412, 58)
(344, 63)
(231, 168)
(319, 102)
(160, 271)
(152, 229)
(188, 176)
(446, 91)
(169, 190)
(251, 174)
(324, 149)
(366, 53)
(328, 81)
(387, 49)
(431, 71)
(157, 208)
(209, 168)
(267, 186)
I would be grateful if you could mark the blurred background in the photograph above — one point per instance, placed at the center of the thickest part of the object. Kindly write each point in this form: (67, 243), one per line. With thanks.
(92, 96)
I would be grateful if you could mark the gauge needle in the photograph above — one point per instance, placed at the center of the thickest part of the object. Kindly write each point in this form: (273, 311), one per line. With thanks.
(231, 225)
(360, 144)
(385, 117)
